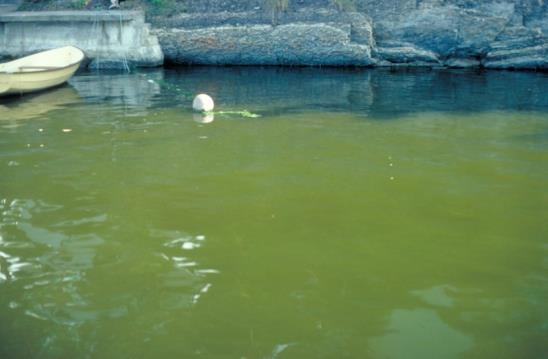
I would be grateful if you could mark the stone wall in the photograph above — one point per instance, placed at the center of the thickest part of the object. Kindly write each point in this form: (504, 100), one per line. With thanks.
(109, 39)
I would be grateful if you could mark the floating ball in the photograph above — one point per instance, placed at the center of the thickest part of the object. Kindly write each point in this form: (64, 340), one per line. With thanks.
(203, 102)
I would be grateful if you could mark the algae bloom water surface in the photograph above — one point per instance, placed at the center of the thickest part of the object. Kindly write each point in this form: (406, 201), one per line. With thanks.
(364, 214)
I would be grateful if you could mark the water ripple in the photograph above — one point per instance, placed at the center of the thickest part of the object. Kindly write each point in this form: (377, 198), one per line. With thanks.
(187, 272)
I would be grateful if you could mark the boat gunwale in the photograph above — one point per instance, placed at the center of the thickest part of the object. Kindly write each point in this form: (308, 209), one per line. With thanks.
(45, 70)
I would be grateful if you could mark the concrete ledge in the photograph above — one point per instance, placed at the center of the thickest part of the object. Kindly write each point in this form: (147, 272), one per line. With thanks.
(108, 38)
(71, 16)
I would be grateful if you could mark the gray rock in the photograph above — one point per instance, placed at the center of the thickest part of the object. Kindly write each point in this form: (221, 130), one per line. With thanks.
(447, 30)
(452, 33)
(291, 44)
(460, 63)
(534, 57)
(401, 53)
(301, 37)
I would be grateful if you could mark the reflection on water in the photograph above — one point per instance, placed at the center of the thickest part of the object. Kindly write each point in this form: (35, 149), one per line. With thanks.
(420, 333)
(186, 274)
(378, 93)
(203, 117)
(52, 267)
(135, 91)
(18, 108)
(130, 224)
(437, 296)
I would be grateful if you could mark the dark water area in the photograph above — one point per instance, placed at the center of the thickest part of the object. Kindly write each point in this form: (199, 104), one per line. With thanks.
(381, 93)
(316, 213)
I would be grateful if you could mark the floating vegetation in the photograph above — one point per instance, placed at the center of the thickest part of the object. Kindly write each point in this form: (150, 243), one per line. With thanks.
(243, 113)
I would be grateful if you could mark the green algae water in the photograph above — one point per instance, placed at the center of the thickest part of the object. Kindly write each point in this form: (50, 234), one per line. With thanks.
(364, 214)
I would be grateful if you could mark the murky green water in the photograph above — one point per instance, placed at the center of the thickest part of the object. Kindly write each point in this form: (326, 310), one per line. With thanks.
(365, 214)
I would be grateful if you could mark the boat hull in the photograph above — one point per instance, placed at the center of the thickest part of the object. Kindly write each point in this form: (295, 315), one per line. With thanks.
(35, 77)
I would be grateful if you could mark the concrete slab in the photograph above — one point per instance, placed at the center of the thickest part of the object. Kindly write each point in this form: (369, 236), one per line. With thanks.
(70, 16)
(110, 39)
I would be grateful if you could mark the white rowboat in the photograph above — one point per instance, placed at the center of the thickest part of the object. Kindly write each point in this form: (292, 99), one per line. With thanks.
(39, 71)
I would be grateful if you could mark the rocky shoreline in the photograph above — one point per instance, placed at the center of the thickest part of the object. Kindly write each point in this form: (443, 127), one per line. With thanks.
(497, 34)
(429, 33)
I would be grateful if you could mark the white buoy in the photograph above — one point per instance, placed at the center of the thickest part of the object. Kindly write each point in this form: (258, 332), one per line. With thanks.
(203, 102)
